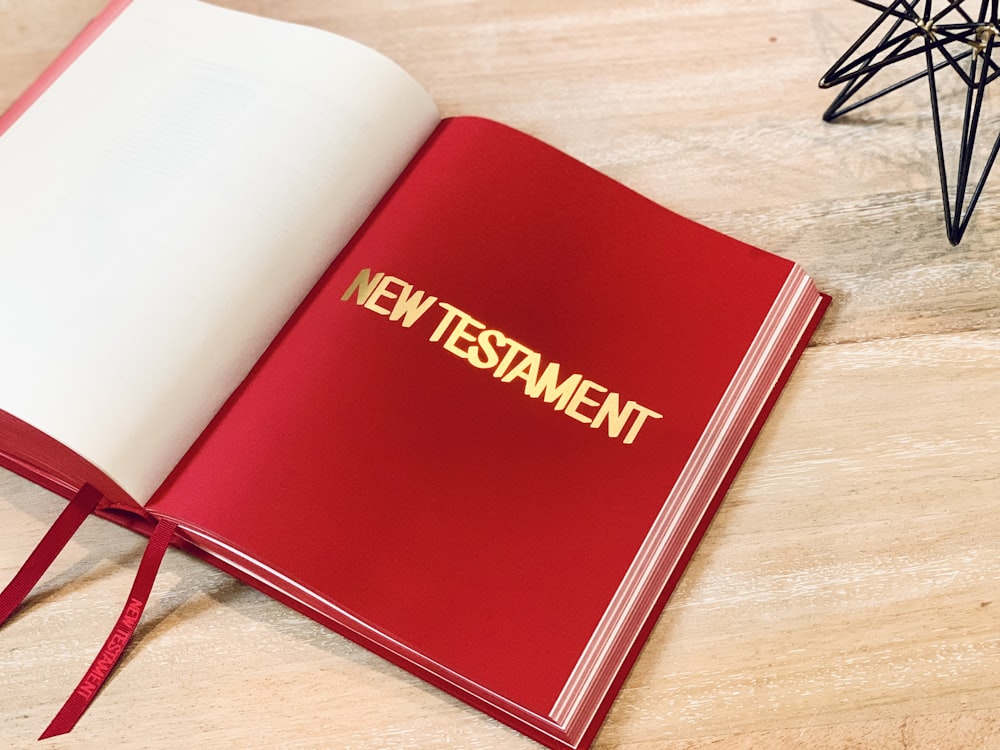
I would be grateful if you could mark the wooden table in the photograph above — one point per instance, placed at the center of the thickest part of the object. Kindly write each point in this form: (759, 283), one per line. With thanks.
(846, 595)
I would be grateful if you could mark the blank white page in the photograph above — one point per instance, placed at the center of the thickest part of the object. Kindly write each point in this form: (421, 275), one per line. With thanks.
(166, 205)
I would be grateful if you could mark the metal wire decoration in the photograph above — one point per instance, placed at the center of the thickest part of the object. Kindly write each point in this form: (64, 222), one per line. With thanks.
(952, 38)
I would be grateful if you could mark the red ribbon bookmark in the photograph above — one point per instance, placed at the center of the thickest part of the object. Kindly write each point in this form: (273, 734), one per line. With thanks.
(120, 635)
(71, 518)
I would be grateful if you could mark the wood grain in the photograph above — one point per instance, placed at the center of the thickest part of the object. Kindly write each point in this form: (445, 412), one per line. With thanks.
(846, 595)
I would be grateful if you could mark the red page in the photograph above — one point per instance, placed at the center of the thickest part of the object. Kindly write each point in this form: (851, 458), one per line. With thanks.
(390, 469)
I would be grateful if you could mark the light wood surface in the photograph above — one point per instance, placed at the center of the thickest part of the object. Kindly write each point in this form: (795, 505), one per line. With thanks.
(846, 595)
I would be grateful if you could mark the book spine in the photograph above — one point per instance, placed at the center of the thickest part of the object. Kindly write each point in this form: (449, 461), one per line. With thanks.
(58, 66)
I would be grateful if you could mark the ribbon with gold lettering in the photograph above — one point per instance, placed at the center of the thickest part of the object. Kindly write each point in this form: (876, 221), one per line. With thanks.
(120, 635)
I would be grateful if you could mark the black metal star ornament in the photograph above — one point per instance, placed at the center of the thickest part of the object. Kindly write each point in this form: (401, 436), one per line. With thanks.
(948, 37)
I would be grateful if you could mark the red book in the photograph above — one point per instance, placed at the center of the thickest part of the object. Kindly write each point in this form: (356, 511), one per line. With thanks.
(439, 386)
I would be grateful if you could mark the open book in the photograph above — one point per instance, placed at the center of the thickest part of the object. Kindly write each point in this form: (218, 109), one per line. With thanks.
(431, 382)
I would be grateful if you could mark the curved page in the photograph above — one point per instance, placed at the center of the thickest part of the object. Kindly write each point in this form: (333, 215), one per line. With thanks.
(164, 207)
